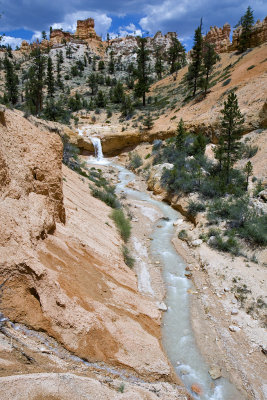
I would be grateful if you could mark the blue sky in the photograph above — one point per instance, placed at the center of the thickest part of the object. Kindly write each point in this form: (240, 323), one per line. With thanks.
(26, 19)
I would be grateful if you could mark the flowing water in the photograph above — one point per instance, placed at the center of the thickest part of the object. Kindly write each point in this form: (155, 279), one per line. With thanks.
(177, 334)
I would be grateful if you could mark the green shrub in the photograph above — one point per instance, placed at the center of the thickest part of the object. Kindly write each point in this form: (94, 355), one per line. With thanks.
(182, 234)
(127, 257)
(258, 188)
(194, 207)
(229, 245)
(251, 67)
(255, 230)
(147, 156)
(121, 388)
(225, 83)
(135, 161)
(107, 197)
(122, 223)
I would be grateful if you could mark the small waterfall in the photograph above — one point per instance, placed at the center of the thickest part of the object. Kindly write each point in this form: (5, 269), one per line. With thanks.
(98, 148)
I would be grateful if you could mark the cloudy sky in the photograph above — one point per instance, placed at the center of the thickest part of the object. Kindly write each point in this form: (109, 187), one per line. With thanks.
(25, 19)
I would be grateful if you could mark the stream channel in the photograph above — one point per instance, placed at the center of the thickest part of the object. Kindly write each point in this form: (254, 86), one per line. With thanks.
(177, 334)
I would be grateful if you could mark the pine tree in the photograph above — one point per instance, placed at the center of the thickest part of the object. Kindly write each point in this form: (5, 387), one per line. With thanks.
(148, 122)
(126, 107)
(11, 81)
(231, 126)
(248, 171)
(44, 37)
(142, 85)
(50, 82)
(36, 82)
(176, 54)
(194, 74)
(158, 63)
(180, 135)
(118, 93)
(111, 66)
(92, 82)
(209, 60)
(246, 23)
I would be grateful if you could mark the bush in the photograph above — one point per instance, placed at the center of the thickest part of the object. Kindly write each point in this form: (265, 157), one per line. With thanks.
(194, 207)
(255, 230)
(107, 197)
(127, 257)
(251, 67)
(182, 234)
(225, 83)
(122, 223)
(135, 161)
(229, 245)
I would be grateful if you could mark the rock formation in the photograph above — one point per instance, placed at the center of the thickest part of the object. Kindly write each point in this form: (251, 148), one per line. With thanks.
(259, 34)
(219, 37)
(86, 30)
(25, 46)
(67, 276)
(58, 36)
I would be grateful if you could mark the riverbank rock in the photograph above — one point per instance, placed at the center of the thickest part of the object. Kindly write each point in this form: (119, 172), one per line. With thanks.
(215, 372)
(154, 180)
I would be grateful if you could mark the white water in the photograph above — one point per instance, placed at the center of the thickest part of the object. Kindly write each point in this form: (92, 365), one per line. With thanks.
(177, 334)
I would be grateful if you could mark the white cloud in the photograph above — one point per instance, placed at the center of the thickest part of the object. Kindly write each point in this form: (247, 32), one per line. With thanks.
(36, 35)
(129, 30)
(102, 21)
(12, 41)
(159, 15)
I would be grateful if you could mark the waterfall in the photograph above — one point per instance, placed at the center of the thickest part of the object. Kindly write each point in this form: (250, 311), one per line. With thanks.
(98, 148)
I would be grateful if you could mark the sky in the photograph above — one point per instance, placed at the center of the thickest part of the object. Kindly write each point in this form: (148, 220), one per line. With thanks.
(26, 19)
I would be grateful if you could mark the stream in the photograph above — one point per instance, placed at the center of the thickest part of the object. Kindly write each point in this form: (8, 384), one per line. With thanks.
(177, 334)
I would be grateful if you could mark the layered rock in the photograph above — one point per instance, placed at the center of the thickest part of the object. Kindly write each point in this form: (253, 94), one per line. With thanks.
(86, 30)
(259, 35)
(219, 37)
(68, 278)
(57, 36)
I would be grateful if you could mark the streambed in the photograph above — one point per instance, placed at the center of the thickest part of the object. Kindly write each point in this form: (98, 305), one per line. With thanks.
(177, 333)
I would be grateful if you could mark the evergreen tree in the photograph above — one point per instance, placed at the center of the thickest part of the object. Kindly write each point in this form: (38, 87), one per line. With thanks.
(100, 99)
(126, 107)
(118, 93)
(11, 81)
(44, 37)
(59, 79)
(101, 65)
(68, 52)
(36, 82)
(158, 63)
(180, 135)
(142, 85)
(176, 55)
(248, 171)
(194, 74)
(209, 60)
(93, 83)
(231, 126)
(148, 122)
(246, 23)
(50, 82)
(111, 66)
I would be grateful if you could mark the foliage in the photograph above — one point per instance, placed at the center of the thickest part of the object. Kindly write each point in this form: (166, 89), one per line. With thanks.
(122, 223)
(142, 84)
(135, 160)
(209, 60)
(148, 122)
(176, 55)
(194, 73)
(11, 81)
(180, 135)
(231, 126)
(194, 207)
(127, 257)
(70, 155)
(248, 171)
(50, 82)
(35, 83)
(246, 22)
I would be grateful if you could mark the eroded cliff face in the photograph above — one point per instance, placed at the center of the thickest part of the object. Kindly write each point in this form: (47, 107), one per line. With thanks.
(63, 260)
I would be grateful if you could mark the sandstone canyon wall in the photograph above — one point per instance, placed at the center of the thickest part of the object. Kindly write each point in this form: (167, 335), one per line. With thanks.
(65, 270)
